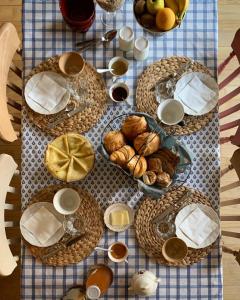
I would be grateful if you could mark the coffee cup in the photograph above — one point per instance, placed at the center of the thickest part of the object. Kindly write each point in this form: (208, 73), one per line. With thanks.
(118, 66)
(119, 92)
(118, 252)
(66, 201)
(71, 63)
(170, 112)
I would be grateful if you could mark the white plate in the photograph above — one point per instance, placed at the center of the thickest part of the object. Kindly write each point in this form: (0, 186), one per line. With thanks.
(28, 236)
(183, 213)
(115, 207)
(34, 105)
(209, 81)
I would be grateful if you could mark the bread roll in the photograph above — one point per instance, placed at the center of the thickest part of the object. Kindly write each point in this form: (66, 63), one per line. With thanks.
(133, 126)
(147, 143)
(113, 141)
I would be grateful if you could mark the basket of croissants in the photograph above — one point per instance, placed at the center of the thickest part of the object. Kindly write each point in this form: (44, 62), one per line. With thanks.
(137, 145)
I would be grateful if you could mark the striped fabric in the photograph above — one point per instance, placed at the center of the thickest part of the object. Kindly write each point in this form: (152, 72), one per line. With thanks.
(45, 34)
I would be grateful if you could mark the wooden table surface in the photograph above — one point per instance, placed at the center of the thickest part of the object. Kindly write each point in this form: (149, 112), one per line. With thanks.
(229, 22)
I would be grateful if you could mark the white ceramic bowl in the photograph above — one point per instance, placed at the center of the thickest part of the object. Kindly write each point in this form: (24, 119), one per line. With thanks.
(66, 201)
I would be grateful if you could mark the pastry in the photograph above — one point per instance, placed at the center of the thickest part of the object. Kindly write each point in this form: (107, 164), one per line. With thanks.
(169, 160)
(113, 141)
(147, 143)
(70, 157)
(137, 166)
(149, 177)
(163, 179)
(154, 164)
(122, 155)
(133, 126)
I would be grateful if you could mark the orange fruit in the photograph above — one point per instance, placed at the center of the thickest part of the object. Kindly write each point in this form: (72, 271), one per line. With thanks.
(165, 19)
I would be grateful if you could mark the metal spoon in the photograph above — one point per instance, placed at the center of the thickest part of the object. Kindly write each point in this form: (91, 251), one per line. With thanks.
(104, 70)
(106, 38)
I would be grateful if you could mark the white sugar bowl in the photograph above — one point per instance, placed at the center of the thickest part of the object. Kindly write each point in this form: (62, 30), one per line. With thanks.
(144, 283)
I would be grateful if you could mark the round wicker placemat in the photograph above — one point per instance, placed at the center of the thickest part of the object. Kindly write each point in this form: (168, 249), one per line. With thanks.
(145, 94)
(96, 95)
(93, 225)
(145, 233)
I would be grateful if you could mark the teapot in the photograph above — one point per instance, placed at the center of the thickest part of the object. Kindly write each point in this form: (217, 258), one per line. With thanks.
(144, 283)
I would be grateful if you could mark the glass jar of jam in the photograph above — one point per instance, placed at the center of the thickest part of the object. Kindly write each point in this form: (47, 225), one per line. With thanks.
(99, 280)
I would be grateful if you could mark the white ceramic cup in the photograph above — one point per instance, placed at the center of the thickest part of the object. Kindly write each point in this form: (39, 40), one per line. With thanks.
(66, 201)
(114, 86)
(117, 260)
(170, 112)
(141, 48)
(115, 59)
(126, 38)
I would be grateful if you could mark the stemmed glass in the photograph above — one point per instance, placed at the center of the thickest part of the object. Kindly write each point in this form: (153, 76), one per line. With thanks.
(112, 15)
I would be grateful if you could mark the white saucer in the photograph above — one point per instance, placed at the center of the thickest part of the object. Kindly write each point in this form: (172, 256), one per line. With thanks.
(115, 207)
(209, 81)
(183, 213)
(34, 105)
(29, 236)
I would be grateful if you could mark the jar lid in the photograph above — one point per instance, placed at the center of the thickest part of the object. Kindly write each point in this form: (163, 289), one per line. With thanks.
(93, 292)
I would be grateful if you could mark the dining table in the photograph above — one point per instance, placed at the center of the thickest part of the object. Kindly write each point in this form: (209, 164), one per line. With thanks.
(45, 34)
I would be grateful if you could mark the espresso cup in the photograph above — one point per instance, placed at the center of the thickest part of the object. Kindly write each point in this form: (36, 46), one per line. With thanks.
(118, 252)
(141, 48)
(71, 63)
(66, 201)
(119, 92)
(170, 112)
(118, 66)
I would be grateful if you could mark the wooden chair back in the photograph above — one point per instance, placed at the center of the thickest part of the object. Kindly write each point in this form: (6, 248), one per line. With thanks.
(227, 218)
(9, 46)
(10, 212)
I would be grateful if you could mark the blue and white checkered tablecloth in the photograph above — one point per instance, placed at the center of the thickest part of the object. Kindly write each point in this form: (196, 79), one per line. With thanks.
(45, 34)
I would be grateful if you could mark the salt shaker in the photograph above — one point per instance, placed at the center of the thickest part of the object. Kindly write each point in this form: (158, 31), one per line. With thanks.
(141, 48)
(126, 38)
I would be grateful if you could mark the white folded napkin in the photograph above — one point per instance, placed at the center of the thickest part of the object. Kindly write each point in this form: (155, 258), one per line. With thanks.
(196, 95)
(47, 93)
(42, 225)
(197, 226)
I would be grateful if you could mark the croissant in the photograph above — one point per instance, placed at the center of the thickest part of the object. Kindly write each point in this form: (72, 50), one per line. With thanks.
(154, 164)
(113, 141)
(133, 126)
(122, 156)
(163, 179)
(137, 166)
(147, 143)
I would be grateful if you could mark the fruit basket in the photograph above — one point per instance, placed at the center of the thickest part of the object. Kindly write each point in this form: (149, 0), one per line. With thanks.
(146, 14)
(183, 167)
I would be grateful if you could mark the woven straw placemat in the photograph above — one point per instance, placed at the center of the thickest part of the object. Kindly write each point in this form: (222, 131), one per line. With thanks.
(92, 218)
(145, 94)
(145, 232)
(96, 95)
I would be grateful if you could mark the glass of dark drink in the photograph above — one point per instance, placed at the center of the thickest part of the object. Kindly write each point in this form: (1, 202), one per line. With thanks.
(79, 15)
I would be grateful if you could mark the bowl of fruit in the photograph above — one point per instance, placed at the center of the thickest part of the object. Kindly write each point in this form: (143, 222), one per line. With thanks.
(160, 16)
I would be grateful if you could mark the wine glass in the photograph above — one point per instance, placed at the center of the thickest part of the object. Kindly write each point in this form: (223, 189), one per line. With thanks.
(112, 16)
